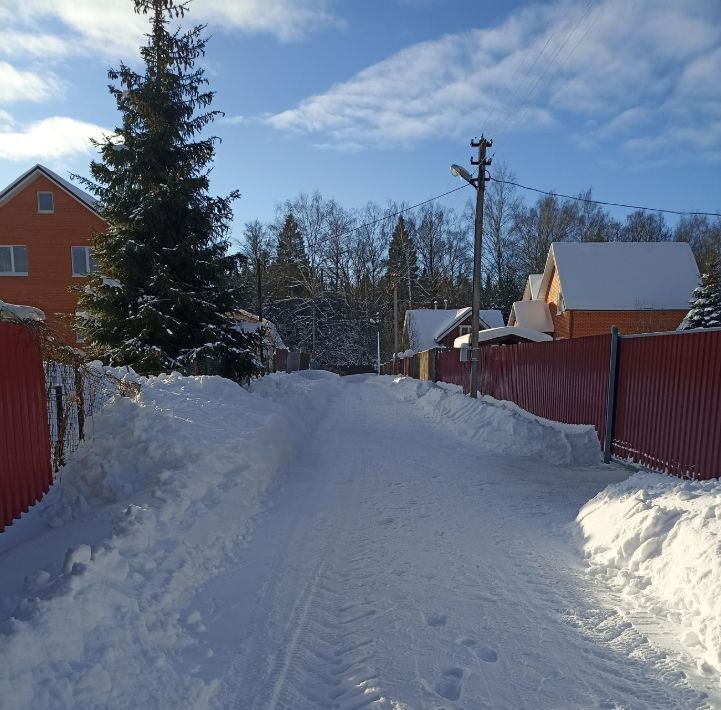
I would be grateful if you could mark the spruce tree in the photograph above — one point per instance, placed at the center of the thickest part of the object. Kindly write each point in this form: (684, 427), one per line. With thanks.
(403, 261)
(160, 298)
(706, 301)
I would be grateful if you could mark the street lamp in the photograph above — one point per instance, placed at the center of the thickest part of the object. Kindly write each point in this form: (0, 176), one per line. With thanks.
(480, 184)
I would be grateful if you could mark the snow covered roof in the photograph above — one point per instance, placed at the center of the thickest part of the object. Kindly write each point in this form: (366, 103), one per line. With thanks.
(426, 327)
(83, 197)
(623, 276)
(249, 323)
(9, 311)
(533, 315)
(532, 286)
(505, 334)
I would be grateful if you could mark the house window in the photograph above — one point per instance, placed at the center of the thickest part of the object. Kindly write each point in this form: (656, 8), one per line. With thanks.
(45, 203)
(83, 263)
(13, 261)
(464, 329)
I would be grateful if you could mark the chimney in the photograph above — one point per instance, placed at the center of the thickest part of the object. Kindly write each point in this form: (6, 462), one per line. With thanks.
(435, 305)
(445, 303)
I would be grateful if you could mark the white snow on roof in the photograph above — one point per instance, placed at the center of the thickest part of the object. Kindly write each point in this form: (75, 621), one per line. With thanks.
(624, 276)
(9, 311)
(506, 333)
(533, 315)
(423, 324)
(427, 326)
(532, 286)
(248, 323)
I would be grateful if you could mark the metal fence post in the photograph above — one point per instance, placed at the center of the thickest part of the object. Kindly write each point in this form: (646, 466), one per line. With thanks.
(60, 424)
(611, 397)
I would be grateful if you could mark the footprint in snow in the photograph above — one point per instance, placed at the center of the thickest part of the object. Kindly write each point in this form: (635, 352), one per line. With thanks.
(436, 619)
(450, 684)
(484, 653)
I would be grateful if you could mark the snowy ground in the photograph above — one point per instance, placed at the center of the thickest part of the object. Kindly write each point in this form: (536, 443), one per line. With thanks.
(328, 543)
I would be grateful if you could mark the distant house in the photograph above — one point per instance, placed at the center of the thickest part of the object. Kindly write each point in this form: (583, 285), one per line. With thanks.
(427, 328)
(46, 225)
(530, 293)
(586, 288)
(250, 323)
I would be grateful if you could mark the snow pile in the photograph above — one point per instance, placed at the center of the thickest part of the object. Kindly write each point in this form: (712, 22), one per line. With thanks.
(502, 427)
(135, 531)
(658, 540)
(9, 311)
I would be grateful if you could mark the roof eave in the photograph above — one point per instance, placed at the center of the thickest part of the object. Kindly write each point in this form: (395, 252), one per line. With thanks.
(27, 177)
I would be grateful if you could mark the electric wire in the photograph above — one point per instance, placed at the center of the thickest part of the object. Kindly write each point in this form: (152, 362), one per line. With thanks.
(578, 198)
(513, 119)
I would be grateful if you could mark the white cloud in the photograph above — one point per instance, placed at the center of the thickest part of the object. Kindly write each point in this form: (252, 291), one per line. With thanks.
(51, 138)
(111, 28)
(601, 68)
(18, 43)
(286, 19)
(17, 85)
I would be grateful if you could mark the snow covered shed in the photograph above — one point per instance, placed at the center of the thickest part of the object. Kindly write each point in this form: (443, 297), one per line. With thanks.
(427, 328)
(588, 287)
(507, 335)
(250, 323)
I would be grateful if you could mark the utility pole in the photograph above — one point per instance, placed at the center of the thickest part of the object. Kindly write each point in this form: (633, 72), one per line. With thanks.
(378, 326)
(259, 279)
(395, 322)
(480, 184)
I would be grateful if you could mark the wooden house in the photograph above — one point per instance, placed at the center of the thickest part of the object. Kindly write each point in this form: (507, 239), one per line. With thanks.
(586, 288)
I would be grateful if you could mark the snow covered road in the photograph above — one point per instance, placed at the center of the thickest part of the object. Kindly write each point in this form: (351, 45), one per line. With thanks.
(399, 567)
(317, 542)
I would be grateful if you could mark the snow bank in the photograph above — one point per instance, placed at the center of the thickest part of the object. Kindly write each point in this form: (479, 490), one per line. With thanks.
(502, 427)
(658, 540)
(147, 509)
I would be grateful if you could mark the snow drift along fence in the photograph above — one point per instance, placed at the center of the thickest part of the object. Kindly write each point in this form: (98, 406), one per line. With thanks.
(74, 393)
(25, 470)
(667, 413)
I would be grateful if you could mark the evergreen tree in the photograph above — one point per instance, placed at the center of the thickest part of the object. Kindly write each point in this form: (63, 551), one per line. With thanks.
(290, 287)
(403, 262)
(291, 262)
(706, 302)
(160, 298)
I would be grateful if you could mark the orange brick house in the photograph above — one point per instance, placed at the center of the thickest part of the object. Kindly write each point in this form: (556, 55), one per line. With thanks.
(46, 226)
(586, 288)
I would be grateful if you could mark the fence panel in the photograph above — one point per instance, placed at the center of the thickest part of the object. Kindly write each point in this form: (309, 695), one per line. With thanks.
(25, 469)
(565, 380)
(668, 403)
(450, 369)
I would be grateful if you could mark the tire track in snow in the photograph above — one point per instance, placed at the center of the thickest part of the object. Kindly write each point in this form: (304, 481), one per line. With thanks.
(297, 628)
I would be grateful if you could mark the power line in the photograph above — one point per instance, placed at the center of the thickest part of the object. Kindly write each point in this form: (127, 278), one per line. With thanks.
(515, 116)
(578, 198)
(400, 212)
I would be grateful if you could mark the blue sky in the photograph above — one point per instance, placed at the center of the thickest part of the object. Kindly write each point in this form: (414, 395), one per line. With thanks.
(373, 99)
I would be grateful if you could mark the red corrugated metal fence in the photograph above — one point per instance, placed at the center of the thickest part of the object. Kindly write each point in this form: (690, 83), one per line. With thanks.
(668, 403)
(25, 469)
(668, 392)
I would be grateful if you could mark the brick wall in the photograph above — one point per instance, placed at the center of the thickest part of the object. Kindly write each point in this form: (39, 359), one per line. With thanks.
(628, 322)
(48, 238)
